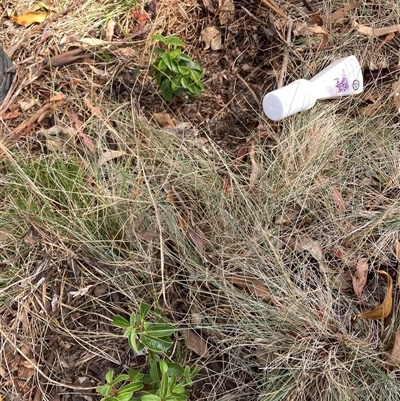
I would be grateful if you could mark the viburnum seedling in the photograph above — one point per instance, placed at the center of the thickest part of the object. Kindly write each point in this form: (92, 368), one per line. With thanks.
(175, 72)
(164, 379)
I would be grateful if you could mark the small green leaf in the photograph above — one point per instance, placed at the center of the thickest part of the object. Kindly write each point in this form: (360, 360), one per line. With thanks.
(175, 54)
(164, 386)
(163, 367)
(130, 388)
(135, 375)
(167, 94)
(174, 369)
(157, 344)
(124, 396)
(175, 66)
(158, 50)
(185, 83)
(109, 376)
(167, 60)
(184, 70)
(178, 389)
(150, 397)
(174, 41)
(120, 321)
(144, 310)
(158, 37)
(154, 373)
(104, 390)
(120, 378)
(161, 330)
(132, 341)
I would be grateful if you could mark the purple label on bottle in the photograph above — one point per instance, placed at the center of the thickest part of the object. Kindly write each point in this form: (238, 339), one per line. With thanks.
(341, 85)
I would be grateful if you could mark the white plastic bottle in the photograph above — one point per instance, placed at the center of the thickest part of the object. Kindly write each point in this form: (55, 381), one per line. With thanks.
(341, 78)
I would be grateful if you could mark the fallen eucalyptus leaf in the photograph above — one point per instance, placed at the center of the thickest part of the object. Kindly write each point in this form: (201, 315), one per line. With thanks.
(109, 155)
(196, 343)
(384, 309)
(360, 276)
(338, 14)
(252, 285)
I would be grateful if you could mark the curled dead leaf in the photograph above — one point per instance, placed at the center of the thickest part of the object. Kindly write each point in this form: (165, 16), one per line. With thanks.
(384, 309)
(338, 14)
(211, 36)
(360, 276)
(30, 18)
(252, 285)
(318, 30)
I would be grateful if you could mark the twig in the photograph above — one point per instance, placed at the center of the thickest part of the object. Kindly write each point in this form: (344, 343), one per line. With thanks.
(248, 87)
(286, 55)
(274, 8)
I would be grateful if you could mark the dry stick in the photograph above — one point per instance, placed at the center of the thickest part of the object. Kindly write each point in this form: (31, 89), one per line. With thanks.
(15, 134)
(286, 55)
(274, 8)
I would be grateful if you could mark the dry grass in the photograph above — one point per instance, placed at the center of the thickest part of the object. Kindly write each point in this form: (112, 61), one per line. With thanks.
(175, 217)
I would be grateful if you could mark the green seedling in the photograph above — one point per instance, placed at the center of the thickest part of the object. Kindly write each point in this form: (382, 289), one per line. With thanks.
(175, 72)
(165, 380)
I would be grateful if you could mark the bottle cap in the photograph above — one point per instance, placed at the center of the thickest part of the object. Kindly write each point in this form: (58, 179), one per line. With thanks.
(290, 99)
(6, 76)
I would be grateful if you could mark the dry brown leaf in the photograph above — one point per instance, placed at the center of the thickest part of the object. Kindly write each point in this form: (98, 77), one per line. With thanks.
(360, 276)
(305, 243)
(384, 309)
(25, 106)
(57, 97)
(318, 30)
(109, 31)
(86, 139)
(109, 155)
(252, 285)
(30, 18)
(372, 32)
(209, 5)
(93, 109)
(164, 120)
(226, 11)
(337, 198)
(396, 95)
(394, 357)
(338, 14)
(255, 169)
(211, 36)
(196, 343)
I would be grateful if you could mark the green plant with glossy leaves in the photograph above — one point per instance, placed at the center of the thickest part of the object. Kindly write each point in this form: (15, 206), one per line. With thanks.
(175, 72)
(165, 381)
